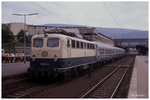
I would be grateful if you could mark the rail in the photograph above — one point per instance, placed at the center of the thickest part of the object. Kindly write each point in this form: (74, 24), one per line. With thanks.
(119, 83)
(96, 87)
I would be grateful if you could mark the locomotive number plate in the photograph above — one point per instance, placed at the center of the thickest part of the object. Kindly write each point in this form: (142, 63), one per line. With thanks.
(44, 64)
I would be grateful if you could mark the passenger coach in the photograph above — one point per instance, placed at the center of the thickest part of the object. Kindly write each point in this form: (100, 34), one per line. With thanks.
(106, 52)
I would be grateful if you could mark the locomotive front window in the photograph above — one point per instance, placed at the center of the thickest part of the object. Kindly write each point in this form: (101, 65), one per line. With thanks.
(53, 42)
(38, 43)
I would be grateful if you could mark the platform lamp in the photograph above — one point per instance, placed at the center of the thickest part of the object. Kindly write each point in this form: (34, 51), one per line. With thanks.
(25, 31)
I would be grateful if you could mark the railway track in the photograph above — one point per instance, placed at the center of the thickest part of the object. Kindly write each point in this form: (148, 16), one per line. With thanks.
(107, 87)
(23, 88)
(12, 86)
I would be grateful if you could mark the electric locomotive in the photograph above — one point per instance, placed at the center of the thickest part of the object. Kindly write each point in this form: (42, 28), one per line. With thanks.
(52, 54)
(55, 54)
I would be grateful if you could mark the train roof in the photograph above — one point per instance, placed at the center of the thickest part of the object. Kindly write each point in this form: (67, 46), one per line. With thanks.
(63, 36)
(99, 44)
(107, 46)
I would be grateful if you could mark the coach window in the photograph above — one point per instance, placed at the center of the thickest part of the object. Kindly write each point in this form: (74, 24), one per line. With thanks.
(73, 43)
(38, 42)
(84, 45)
(88, 45)
(77, 44)
(101, 51)
(92, 46)
(112, 51)
(107, 52)
(53, 42)
(81, 45)
(68, 43)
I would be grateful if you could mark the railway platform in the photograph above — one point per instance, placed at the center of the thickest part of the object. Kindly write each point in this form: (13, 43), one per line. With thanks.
(139, 81)
(14, 69)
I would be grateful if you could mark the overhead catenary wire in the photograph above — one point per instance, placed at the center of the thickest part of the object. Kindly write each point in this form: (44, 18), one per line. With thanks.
(116, 18)
(110, 13)
(52, 12)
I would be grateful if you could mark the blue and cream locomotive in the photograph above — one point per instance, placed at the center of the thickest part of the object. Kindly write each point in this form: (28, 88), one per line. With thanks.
(53, 54)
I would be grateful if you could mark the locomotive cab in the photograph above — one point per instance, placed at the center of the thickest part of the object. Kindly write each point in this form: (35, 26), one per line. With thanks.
(45, 48)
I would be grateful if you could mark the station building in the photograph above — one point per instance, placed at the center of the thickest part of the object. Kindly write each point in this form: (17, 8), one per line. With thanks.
(89, 33)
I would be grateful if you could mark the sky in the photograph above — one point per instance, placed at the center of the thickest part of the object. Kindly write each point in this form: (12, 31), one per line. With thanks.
(131, 15)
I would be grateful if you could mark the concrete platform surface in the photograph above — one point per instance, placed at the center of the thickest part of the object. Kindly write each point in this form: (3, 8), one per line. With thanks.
(10, 69)
(139, 81)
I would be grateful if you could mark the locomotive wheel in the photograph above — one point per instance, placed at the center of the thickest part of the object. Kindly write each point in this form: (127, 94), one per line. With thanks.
(76, 72)
(61, 76)
(68, 75)
(65, 76)
(98, 64)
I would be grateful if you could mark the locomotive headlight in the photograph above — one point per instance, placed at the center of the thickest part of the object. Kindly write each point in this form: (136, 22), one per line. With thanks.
(33, 58)
(55, 57)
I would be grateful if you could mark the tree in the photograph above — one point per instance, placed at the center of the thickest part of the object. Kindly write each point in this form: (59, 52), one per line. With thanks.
(20, 35)
(29, 39)
(7, 34)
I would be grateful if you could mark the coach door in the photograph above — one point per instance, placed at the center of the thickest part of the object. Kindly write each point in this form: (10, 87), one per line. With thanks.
(69, 50)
